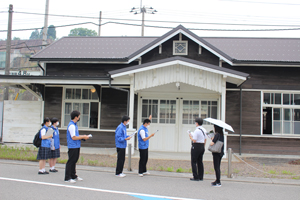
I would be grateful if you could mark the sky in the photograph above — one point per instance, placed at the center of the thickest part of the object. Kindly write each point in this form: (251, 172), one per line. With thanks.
(219, 15)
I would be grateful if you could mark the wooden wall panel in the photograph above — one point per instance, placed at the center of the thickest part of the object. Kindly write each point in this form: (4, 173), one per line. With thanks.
(263, 145)
(53, 102)
(250, 112)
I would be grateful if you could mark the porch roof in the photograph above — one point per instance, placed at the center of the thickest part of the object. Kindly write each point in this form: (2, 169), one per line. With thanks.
(78, 80)
(233, 76)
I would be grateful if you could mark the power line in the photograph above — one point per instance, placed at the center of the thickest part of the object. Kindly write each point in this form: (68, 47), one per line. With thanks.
(162, 21)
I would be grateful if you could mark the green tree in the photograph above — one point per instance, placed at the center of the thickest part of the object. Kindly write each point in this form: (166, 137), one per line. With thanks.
(35, 35)
(82, 32)
(51, 33)
(16, 38)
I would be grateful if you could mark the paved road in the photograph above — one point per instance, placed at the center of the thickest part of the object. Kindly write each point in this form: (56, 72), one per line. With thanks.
(19, 181)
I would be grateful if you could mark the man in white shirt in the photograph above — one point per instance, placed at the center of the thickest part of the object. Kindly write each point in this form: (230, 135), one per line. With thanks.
(198, 138)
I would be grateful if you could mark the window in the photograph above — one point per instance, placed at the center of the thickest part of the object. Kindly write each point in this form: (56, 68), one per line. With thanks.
(281, 113)
(86, 101)
(209, 109)
(180, 47)
(190, 111)
(150, 107)
(167, 112)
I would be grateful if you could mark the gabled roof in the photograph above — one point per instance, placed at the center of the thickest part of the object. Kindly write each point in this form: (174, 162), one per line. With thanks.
(126, 49)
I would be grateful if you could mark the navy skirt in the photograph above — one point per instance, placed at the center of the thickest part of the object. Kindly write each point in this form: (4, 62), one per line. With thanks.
(54, 153)
(43, 153)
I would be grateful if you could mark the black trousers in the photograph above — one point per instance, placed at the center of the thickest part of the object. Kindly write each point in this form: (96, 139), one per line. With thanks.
(217, 157)
(70, 172)
(120, 161)
(197, 152)
(143, 160)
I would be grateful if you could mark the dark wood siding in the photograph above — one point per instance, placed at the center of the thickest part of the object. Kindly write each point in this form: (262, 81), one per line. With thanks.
(262, 145)
(251, 110)
(100, 139)
(193, 52)
(53, 102)
(83, 69)
(272, 78)
(113, 107)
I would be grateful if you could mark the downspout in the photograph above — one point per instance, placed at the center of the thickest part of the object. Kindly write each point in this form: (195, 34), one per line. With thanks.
(121, 89)
(241, 103)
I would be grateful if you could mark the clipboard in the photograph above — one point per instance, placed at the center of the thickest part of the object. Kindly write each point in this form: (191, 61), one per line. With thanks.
(49, 132)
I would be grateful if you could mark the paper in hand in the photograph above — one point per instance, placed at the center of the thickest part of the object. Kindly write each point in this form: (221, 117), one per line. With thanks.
(133, 134)
(90, 135)
(156, 131)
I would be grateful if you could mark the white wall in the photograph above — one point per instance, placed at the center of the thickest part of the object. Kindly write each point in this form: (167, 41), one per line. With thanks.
(21, 120)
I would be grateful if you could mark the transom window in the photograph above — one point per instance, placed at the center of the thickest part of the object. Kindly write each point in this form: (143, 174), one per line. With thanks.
(86, 101)
(281, 113)
(180, 47)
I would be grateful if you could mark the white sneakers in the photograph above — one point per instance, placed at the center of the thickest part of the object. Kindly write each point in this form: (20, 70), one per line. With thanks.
(71, 181)
(141, 175)
(121, 175)
(74, 180)
(146, 173)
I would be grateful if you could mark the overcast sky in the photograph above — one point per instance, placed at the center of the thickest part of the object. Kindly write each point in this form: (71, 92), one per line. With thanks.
(258, 12)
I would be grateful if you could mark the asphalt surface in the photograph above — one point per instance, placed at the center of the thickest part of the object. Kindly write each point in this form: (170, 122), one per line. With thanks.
(19, 180)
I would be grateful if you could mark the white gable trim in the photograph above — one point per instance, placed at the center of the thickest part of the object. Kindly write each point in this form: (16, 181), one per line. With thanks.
(179, 62)
(189, 36)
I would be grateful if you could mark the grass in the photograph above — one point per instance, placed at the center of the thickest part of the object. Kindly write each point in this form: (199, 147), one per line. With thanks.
(287, 172)
(15, 153)
(81, 160)
(170, 169)
(62, 161)
(236, 171)
(180, 170)
(272, 172)
(92, 162)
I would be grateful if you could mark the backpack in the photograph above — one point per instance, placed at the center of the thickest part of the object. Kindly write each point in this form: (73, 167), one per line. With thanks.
(37, 140)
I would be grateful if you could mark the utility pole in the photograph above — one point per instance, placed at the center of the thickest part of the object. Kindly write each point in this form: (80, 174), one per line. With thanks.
(45, 29)
(8, 47)
(143, 10)
(99, 28)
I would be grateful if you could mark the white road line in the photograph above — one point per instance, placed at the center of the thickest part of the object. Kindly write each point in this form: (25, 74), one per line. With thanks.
(94, 189)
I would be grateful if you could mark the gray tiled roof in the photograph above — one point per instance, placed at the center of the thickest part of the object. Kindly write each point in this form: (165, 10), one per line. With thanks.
(236, 50)
(93, 48)
(258, 49)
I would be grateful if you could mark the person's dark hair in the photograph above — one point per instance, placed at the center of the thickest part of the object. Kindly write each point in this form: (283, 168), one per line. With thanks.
(199, 121)
(146, 121)
(46, 120)
(219, 130)
(125, 118)
(74, 114)
(54, 120)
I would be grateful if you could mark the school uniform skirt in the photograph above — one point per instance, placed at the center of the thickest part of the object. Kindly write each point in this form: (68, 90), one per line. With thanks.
(54, 153)
(43, 153)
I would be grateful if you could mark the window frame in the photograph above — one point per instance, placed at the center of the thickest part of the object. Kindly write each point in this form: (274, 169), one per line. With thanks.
(291, 106)
(81, 101)
(181, 41)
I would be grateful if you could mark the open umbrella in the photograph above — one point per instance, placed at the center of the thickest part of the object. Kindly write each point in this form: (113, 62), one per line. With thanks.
(219, 123)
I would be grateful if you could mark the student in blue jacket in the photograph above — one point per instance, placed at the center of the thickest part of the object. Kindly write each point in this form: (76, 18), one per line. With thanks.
(121, 138)
(143, 138)
(55, 150)
(74, 144)
(44, 149)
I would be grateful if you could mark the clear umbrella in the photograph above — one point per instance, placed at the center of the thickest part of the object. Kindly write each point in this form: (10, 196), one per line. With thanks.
(219, 123)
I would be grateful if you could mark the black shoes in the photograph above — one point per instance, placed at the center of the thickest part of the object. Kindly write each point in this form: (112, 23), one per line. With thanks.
(43, 172)
(215, 184)
(53, 170)
(192, 179)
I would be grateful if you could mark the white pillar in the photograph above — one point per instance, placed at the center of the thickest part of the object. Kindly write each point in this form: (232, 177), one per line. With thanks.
(130, 130)
(223, 112)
